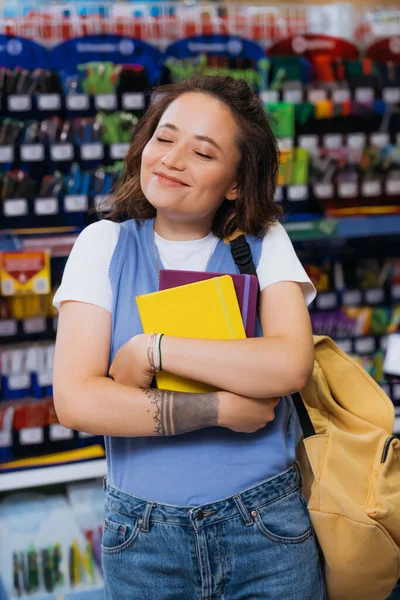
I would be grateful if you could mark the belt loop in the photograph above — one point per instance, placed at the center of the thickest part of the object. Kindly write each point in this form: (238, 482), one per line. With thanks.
(146, 516)
(243, 510)
(299, 475)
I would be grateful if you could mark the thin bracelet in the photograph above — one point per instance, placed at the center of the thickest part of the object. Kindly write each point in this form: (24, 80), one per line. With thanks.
(159, 349)
(150, 354)
(155, 353)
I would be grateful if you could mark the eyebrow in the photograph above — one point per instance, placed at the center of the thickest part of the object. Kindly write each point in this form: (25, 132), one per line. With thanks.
(202, 138)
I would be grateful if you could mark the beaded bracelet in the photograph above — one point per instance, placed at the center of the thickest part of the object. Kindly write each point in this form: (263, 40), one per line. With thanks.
(154, 352)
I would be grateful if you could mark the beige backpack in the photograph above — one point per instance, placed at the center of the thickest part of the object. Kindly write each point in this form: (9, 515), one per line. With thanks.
(351, 475)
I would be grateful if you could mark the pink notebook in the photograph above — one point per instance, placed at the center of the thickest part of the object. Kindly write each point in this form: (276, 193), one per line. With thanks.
(246, 288)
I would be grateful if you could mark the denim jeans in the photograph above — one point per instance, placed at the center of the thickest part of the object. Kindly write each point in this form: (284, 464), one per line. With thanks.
(256, 545)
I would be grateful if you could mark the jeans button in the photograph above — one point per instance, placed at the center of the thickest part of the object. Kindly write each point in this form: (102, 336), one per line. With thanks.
(200, 515)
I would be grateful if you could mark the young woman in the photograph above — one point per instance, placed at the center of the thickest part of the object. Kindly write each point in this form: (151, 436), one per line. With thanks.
(203, 496)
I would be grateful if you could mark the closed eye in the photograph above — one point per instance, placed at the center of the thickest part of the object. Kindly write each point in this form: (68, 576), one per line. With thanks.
(206, 156)
(163, 140)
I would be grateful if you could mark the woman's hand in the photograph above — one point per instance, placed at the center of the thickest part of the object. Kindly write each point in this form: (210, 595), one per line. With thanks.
(244, 414)
(131, 365)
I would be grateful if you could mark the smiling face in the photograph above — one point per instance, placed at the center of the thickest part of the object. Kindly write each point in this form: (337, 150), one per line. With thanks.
(189, 165)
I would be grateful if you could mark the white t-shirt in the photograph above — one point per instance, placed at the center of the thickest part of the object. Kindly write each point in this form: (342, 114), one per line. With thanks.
(86, 274)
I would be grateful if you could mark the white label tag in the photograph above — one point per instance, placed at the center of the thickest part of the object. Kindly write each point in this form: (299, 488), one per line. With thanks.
(78, 102)
(45, 378)
(58, 432)
(278, 194)
(31, 435)
(34, 325)
(396, 292)
(92, 151)
(308, 142)
(49, 101)
(16, 208)
(380, 139)
(60, 152)
(323, 190)
(341, 95)
(46, 206)
(316, 95)
(133, 101)
(32, 152)
(364, 345)
(326, 300)
(345, 345)
(374, 296)
(8, 327)
(393, 187)
(269, 96)
(371, 188)
(106, 101)
(391, 95)
(364, 94)
(118, 151)
(22, 381)
(76, 203)
(333, 141)
(297, 193)
(6, 154)
(352, 297)
(19, 102)
(356, 140)
(293, 96)
(347, 189)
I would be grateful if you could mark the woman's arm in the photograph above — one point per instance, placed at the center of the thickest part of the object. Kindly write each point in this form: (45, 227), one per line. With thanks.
(277, 364)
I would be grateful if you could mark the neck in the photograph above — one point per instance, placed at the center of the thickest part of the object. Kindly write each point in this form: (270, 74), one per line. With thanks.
(181, 230)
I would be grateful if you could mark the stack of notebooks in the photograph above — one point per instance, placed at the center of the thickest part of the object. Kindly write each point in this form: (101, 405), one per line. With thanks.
(193, 304)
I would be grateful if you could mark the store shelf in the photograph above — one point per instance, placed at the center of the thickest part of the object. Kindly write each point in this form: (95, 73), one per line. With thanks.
(19, 480)
(349, 227)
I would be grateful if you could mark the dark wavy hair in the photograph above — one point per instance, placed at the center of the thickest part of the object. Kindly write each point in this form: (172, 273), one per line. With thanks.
(255, 208)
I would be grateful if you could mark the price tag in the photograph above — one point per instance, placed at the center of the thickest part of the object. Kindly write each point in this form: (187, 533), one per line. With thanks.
(133, 101)
(392, 187)
(34, 325)
(76, 203)
(396, 391)
(323, 190)
(396, 292)
(345, 345)
(347, 189)
(118, 151)
(58, 432)
(293, 96)
(316, 95)
(92, 151)
(60, 152)
(8, 328)
(22, 381)
(78, 102)
(285, 143)
(356, 140)
(341, 95)
(374, 296)
(371, 188)
(365, 94)
(15, 207)
(309, 142)
(333, 141)
(391, 95)
(46, 206)
(31, 435)
(364, 345)
(6, 154)
(297, 193)
(269, 96)
(326, 300)
(352, 297)
(19, 102)
(380, 139)
(49, 101)
(45, 378)
(32, 152)
(278, 194)
(106, 101)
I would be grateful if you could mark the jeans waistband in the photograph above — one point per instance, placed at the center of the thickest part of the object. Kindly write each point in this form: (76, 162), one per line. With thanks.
(203, 515)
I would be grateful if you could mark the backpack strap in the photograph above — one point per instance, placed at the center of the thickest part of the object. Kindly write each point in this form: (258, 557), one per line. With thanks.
(241, 253)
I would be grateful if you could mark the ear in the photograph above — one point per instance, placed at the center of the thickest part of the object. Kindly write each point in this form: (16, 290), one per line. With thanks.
(232, 193)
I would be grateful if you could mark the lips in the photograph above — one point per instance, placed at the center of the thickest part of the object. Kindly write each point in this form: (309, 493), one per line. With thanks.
(168, 178)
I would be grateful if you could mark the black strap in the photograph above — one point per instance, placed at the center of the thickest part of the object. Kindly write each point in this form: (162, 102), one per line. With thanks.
(241, 253)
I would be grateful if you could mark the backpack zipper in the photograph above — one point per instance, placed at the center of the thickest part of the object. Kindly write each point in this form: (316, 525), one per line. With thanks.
(385, 452)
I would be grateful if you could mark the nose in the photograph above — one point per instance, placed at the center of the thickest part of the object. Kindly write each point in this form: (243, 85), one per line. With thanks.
(174, 159)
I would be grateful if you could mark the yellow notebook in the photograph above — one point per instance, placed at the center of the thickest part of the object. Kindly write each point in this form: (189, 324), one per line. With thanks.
(205, 309)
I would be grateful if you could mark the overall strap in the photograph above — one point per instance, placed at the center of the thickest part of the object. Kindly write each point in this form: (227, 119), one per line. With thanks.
(241, 254)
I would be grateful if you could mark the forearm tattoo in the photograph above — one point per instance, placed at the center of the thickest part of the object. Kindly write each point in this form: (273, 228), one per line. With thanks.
(179, 412)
